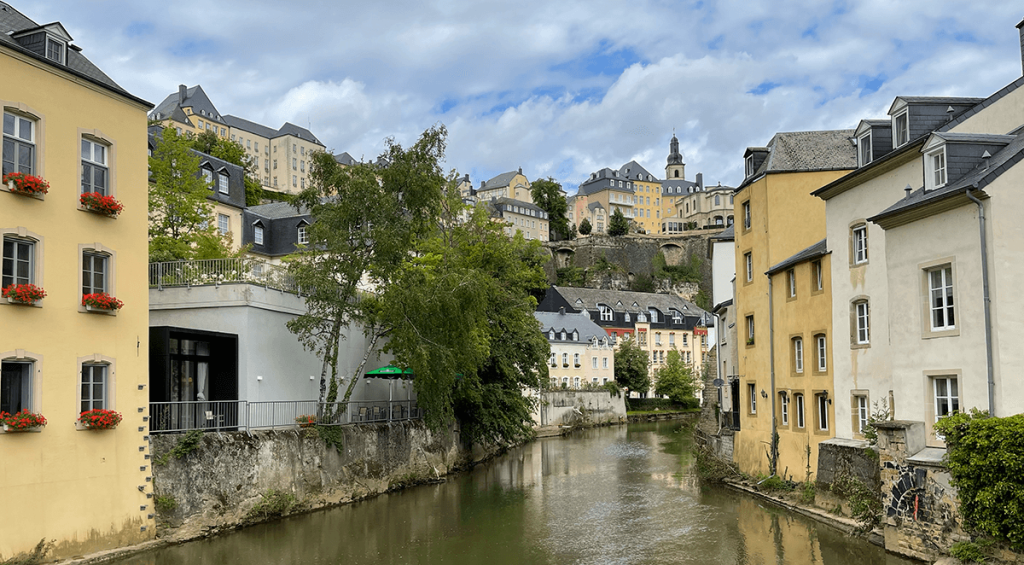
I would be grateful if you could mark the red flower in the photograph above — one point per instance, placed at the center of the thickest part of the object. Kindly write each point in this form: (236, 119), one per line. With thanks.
(103, 204)
(102, 300)
(100, 419)
(24, 293)
(27, 184)
(22, 420)
(305, 421)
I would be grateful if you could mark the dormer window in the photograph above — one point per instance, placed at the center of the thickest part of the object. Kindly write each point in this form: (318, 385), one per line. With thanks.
(562, 335)
(864, 149)
(935, 177)
(257, 234)
(222, 183)
(55, 50)
(901, 128)
(654, 315)
(575, 336)
(749, 165)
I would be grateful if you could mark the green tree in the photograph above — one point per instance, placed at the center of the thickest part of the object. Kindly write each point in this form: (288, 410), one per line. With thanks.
(547, 194)
(675, 379)
(180, 213)
(618, 225)
(631, 364)
(232, 152)
(585, 227)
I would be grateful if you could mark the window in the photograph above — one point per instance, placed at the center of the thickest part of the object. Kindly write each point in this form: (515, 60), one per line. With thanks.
(752, 393)
(798, 354)
(575, 335)
(19, 144)
(94, 167)
(606, 313)
(822, 348)
(15, 386)
(258, 235)
(55, 50)
(295, 163)
(654, 316)
(604, 362)
(672, 339)
(718, 200)
(750, 329)
(302, 150)
(784, 408)
(748, 260)
(626, 317)
(791, 275)
(593, 362)
(302, 166)
(937, 169)
(748, 166)
(18, 262)
(863, 325)
(940, 290)
(657, 338)
(222, 183)
(208, 177)
(94, 273)
(901, 129)
(303, 235)
(822, 412)
(799, 398)
(295, 180)
(565, 359)
(223, 225)
(248, 144)
(576, 382)
(686, 338)
(94, 387)
(746, 215)
(554, 362)
(576, 359)
(817, 274)
(864, 149)
(947, 400)
(257, 147)
(860, 244)
(862, 413)
(561, 336)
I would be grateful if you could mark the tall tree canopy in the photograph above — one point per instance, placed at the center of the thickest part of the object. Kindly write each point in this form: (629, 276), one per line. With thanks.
(631, 364)
(547, 194)
(449, 300)
(585, 227)
(180, 214)
(675, 379)
(232, 152)
(618, 225)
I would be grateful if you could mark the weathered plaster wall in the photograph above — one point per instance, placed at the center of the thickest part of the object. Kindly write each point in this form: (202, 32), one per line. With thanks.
(215, 486)
(566, 408)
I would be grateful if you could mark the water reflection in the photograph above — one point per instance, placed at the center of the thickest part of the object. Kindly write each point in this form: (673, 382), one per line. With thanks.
(611, 496)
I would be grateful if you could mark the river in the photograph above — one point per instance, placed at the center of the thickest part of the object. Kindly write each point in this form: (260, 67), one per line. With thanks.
(616, 495)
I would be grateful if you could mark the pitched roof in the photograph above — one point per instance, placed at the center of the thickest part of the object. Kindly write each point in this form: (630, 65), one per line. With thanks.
(276, 210)
(728, 234)
(520, 203)
(298, 131)
(501, 180)
(591, 297)
(805, 151)
(12, 21)
(985, 103)
(632, 168)
(595, 183)
(251, 127)
(570, 322)
(345, 159)
(812, 252)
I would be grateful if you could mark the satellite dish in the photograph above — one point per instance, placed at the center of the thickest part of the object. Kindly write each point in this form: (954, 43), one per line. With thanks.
(718, 382)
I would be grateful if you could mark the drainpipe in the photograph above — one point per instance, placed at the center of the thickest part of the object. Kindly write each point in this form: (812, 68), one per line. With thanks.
(988, 302)
(718, 361)
(771, 351)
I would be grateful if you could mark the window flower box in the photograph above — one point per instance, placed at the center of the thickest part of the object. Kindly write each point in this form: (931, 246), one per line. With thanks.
(305, 421)
(101, 302)
(105, 205)
(23, 421)
(99, 419)
(28, 185)
(27, 294)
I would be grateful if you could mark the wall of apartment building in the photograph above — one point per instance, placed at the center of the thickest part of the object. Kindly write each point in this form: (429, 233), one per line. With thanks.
(290, 180)
(1000, 117)
(861, 370)
(595, 362)
(234, 222)
(47, 475)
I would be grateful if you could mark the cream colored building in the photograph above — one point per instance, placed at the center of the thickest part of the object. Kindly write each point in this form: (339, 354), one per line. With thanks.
(582, 354)
(190, 111)
(75, 490)
(522, 217)
(512, 184)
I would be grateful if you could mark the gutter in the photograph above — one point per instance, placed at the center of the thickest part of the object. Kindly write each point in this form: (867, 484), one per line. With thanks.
(987, 301)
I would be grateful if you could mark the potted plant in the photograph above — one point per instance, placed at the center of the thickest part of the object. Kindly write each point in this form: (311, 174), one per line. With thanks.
(23, 293)
(20, 183)
(306, 421)
(99, 419)
(106, 205)
(23, 421)
(101, 302)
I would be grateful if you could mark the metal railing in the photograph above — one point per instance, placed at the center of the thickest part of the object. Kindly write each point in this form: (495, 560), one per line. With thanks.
(209, 272)
(241, 415)
(731, 420)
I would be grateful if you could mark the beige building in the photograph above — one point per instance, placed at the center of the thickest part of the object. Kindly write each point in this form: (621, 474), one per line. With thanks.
(72, 489)
(190, 111)
(582, 354)
(522, 217)
(512, 184)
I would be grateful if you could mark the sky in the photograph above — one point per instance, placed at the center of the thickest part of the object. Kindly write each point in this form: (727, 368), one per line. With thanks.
(560, 89)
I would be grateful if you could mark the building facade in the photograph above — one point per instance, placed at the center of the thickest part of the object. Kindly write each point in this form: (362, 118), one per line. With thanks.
(582, 354)
(68, 123)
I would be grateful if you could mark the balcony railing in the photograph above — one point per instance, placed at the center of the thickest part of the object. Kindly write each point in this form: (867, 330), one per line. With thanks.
(241, 415)
(212, 272)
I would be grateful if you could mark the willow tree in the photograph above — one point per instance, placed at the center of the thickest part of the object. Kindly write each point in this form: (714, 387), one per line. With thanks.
(366, 223)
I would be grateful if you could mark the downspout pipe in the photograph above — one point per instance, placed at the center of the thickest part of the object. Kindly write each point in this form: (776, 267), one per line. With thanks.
(988, 302)
(771, 352)
(718, 362)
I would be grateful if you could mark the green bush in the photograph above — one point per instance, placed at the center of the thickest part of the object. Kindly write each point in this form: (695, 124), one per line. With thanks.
(969, 551)
(985, 457)
(613, 388)
(571, 276)
(775, 483)
(274, 503)
(186, 444)
(646, 404)
(165, 503)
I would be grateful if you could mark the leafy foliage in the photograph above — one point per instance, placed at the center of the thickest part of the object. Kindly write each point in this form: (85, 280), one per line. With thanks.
(687, 272)
(273, 504)
(970, 552)
(675, 379)
(880, 413)
(571, 276)
(865, 503)
(643, 283)
(585, 227)
(547, 194)
(631, 365)
(180, 214)
(985, 457)
(186, 444)
(618, 224)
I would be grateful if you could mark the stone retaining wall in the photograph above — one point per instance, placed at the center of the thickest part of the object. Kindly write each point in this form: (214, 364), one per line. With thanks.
(579, 407)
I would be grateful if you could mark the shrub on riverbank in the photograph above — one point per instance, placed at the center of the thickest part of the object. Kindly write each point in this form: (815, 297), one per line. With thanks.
(274, 504)
(650, 404)
(711, 468)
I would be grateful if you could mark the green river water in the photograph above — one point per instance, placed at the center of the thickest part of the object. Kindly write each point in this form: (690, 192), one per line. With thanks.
(616, 495)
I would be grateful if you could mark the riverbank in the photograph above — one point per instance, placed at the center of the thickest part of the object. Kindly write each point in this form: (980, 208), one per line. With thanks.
(661, 415)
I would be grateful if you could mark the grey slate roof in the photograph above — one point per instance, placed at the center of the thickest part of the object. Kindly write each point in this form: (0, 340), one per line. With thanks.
(298, 131)
(678, 186)
(802, 151)
(520, 203)
(595, 206)
(251, 127)
(345, 159)
(728, 234)
(236, 174)
(276, 210)
(600, 181)
(632, 168)
(501, 180)
(195, 98)
(569, 322)
(591, 297)
(812, 252)
(983, 104)
(13, 21)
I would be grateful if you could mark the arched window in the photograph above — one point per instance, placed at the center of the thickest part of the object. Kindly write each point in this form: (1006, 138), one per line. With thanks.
(576, 359)
(627, 317)
(565, 359)
(654, 315)
(676, 174)
(606, 313)
(575, 336)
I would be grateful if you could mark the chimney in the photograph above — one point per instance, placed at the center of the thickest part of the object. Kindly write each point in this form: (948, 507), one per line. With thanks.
(700, 180)
(182, 89)
(561, 310)
(1020, 29)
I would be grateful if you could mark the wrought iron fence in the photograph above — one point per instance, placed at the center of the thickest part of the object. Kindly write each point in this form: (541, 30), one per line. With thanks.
(207, 272)
(241, 415)
(731, 420)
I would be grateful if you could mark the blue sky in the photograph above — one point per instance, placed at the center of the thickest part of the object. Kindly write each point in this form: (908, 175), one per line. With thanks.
(559, 89)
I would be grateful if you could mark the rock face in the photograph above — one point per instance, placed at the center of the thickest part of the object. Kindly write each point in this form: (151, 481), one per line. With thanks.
(229, 474)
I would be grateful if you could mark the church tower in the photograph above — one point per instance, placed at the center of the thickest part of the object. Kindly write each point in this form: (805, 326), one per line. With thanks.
(675, 169)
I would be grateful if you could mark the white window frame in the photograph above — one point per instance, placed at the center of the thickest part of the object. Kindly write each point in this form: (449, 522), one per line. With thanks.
(593, 362)
(746, 215)
(899, 140)
(16, 257)
(90, 401)
(257, 235)
(576, 360)
(62, 50)
(862, 313)
(784, 408)
(222, 183)
(208, 176)
(748, 166)
(949, 402)
(223, 223)
(940, 298)
(935, 175)
(798, 354)
(862, 413)
(89, 272)
(800, 421)
(654, 315)
(822, 347)
(748, 258)
(752, 393)
(864, 150)
(20, 142)
(303, 235)
(791, 275)
(819, 282)
(860, 244)
(554, 359)
(606, 313)
(28, 384)
(822, 401)
(604, 362)
(91, 162)
(565, 359)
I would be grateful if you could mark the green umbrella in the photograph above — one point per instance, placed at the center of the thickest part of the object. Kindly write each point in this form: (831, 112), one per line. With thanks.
(390, 372)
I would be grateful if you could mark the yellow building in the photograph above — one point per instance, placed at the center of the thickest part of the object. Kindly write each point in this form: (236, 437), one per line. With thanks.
(73, 489)
(512, 184)
(776, 218)
(189, 110)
